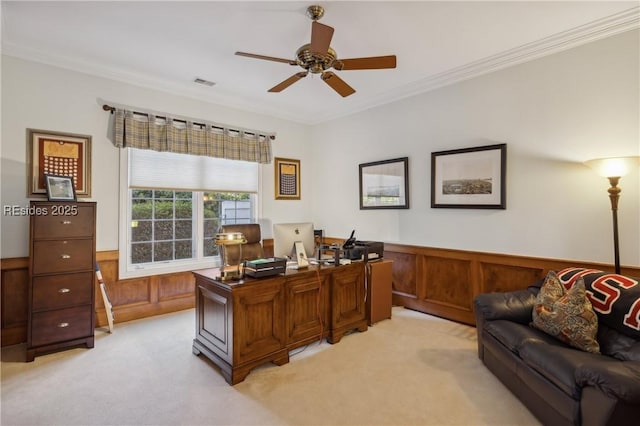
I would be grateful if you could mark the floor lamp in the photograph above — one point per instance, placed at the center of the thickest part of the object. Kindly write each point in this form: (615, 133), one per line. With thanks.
(613, 169)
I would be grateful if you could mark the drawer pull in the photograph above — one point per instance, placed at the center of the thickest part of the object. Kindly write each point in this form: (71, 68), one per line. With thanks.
(64, 290)
(63, 325)
(65, 222)
(65, 256)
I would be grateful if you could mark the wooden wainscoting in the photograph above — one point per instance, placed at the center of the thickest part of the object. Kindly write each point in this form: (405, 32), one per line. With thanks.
(14, 292)
(444, 282)
(131, 298)
(136, 298)
(436, 281)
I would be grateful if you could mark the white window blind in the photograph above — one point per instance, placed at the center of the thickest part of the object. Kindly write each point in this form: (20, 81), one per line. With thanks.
(167, 170)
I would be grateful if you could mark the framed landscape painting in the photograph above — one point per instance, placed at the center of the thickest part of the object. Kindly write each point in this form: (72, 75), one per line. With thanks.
(385, 184)
(472, 178)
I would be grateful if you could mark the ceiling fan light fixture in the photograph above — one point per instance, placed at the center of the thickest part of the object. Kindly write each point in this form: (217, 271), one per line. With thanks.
(318, 57)
(315, 63)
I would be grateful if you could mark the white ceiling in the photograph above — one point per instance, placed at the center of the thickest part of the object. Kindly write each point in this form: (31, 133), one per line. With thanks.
(166, 45)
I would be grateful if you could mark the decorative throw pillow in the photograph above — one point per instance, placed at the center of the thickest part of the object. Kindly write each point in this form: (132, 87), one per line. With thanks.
(566, 315)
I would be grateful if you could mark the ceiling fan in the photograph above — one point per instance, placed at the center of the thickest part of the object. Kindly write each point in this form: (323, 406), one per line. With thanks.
(318, 57)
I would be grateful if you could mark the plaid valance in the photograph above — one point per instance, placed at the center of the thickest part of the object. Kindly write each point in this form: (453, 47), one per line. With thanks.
(148, 131)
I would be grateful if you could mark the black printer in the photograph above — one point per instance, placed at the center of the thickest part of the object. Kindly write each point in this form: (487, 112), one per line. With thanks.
(372, 250)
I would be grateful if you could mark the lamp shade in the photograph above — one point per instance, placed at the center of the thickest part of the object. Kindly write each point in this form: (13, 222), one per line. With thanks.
(613, 167)
(230, 238)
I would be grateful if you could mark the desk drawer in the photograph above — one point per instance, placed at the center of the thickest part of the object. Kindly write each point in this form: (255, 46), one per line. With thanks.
(62, 256)
(64, 220)
(61, 325)
(61, 291)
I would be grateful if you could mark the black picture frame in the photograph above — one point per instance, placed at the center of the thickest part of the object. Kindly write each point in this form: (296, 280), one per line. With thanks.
(384, 184)
(469, 178)
(60, 188)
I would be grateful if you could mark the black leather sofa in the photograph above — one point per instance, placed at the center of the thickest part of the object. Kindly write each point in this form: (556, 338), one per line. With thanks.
(559, 384)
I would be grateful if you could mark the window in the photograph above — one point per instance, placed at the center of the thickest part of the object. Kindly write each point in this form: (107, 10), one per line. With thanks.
(173, 229)
(161, 225)
(224, 208)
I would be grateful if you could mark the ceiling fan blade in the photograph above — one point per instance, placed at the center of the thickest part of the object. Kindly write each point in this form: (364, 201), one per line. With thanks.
(372, 63)
(288, 82)
(320, 38)
(337, 84)
(267, 58)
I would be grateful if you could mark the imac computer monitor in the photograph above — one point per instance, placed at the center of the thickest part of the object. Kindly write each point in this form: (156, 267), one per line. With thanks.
(286, 234)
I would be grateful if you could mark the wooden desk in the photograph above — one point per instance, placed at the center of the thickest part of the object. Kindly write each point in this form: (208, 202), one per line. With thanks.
(379, 291)
(240, 325)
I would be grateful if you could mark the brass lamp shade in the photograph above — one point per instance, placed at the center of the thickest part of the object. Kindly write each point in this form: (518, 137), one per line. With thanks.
(229, 238)
(231, 272)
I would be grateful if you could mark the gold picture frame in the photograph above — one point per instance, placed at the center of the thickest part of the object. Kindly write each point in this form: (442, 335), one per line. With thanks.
(287, 178)
(61, 154)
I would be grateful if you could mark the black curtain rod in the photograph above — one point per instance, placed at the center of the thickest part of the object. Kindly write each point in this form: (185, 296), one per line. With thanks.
(112, 110)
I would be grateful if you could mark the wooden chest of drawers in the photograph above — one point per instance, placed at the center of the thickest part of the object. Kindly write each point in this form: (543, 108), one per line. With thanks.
(62, 256)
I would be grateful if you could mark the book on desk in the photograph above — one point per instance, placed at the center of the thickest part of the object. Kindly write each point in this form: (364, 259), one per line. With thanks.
(265, 267)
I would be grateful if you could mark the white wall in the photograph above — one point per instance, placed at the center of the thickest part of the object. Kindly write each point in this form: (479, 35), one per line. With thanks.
(45, 97)
(553, 114)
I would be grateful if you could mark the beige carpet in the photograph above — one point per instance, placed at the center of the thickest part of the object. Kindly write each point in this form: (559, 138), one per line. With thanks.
(414, 369)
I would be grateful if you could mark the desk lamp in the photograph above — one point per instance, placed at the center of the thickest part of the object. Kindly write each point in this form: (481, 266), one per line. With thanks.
(231, 272)
(613, 169)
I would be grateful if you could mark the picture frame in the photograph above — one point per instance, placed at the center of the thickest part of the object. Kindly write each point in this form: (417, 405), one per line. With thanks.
(471, 178)
(60, 154)
(287, 179)
(60, 188)
(384, 184)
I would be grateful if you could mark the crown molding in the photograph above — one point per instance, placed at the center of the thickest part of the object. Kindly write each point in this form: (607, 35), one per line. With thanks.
(615, 24)
(606, 27)
(184, 89)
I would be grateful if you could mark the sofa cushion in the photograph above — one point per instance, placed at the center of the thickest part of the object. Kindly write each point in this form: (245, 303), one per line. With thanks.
(617, 345)
(512, 334)
(513, 305)
(615, 298)
(558, 364)
(619, 380)
(566, 314)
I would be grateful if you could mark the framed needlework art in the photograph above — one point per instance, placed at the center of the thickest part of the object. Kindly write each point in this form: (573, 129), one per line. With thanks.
(59, 154)
(287, 178)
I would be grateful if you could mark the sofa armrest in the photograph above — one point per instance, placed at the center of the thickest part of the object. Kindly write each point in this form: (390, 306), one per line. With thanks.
(513, 306)
(620, 380)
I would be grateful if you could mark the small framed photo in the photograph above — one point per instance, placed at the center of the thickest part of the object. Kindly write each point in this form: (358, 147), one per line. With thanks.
(60, 188)
(385, 184)
(287, 178)
(61, 154)
(472, 178)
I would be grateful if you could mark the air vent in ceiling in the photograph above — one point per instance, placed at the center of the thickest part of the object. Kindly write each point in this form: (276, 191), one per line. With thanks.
(204, 82)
